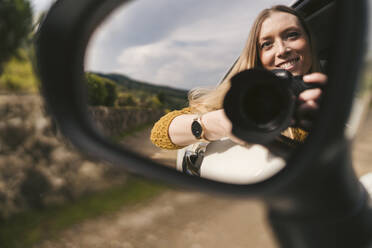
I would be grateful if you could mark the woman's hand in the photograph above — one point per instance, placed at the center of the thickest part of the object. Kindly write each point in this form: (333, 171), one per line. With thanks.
(218, 126)
(308, 101)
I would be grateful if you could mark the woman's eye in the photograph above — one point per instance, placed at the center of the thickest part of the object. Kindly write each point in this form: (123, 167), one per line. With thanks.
(265, 44)
(293, 34)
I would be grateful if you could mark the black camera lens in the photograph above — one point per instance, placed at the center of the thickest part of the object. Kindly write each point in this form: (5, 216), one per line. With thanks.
(263, 105)
(259, 104)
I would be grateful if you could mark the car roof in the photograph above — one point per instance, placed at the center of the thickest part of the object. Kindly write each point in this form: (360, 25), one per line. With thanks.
(308, 7)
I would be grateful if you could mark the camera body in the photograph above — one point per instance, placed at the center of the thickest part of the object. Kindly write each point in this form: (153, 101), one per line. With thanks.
(261, 103)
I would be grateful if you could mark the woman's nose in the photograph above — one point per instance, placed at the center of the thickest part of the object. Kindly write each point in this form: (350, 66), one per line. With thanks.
(282, 50)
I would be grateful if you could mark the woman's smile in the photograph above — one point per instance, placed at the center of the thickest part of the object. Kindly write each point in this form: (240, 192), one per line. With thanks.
(289, 64)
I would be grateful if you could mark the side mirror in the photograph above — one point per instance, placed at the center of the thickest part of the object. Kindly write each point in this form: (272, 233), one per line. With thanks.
(314, 201)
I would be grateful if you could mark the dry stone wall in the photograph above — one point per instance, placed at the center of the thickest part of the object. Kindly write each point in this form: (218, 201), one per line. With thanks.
(38, 167)
(115, 121)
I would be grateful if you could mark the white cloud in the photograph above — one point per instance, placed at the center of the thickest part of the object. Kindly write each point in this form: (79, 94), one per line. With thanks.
(183, 44)
(194, 55)
(170, 62)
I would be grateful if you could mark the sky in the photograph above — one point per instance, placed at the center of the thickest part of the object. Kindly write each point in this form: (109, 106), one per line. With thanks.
(40, 5)
(183, 44)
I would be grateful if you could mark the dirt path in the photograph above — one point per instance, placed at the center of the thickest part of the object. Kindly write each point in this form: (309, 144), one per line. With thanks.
(186, 219)
(176, 219)
(140, 143)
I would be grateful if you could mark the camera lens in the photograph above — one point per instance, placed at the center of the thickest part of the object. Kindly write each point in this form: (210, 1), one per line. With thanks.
(263, 105)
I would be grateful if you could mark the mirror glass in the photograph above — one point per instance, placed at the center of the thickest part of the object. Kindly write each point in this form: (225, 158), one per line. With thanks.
(143, 61)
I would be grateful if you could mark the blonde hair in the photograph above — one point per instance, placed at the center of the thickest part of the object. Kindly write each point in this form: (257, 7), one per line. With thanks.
(202, 100)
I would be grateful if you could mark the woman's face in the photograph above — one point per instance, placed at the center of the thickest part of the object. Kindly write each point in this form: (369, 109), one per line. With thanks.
(283, 44)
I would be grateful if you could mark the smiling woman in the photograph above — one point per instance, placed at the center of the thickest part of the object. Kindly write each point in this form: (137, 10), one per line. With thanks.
(284, 44)
(279, 39)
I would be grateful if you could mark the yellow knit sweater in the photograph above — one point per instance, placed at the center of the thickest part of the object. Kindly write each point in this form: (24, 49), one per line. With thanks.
(160, 136)
(159, 133)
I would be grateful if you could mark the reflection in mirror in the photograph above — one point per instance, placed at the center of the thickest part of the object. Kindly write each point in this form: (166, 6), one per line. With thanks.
(157, 75)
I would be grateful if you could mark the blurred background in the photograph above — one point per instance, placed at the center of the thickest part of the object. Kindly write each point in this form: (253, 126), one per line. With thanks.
(52, 196)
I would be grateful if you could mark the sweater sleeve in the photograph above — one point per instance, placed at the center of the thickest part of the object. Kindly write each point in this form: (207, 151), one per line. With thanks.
(159, 133)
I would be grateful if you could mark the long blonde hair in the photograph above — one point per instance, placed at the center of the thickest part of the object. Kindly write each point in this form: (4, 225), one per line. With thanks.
(202, 100)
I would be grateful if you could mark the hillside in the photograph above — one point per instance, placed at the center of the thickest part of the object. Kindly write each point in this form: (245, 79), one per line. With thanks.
(132, 84)
(134, 93)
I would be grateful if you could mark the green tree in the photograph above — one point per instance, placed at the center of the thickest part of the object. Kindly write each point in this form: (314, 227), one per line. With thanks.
(112, 93)
(101, 91)
(96, 90)
(15, 25)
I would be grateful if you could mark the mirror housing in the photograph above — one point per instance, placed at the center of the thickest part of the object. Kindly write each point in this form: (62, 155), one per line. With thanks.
(61, 45)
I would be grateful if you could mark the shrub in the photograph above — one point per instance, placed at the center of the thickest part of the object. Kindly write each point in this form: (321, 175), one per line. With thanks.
(127, 100)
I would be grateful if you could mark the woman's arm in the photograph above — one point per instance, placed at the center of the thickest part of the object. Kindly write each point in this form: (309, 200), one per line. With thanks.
(159, 133)
(216, 126)
(180, 130)
(173, 131)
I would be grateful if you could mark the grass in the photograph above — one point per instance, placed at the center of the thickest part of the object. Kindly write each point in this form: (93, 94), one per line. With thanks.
(29, 228)
(18, 75)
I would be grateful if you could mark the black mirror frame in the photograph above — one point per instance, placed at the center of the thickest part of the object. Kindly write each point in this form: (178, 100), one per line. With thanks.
(61, 46)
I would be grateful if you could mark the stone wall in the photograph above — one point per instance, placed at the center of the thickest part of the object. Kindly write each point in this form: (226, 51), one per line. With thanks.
(39, 168)
(115, 121)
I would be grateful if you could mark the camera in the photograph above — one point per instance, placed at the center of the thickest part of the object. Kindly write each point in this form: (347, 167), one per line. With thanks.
(261, 103)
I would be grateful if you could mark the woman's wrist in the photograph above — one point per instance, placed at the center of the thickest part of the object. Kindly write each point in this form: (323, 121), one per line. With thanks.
(216, 125)
(203, 134)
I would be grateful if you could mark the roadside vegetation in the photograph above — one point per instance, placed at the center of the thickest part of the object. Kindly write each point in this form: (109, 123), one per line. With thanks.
(30, 228)
(18, 75)
(16, 46)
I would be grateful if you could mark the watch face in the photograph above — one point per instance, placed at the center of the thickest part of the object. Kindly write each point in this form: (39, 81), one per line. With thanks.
(196, 129)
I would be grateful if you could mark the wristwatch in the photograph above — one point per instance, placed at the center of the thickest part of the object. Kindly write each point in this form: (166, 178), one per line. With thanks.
(197, 128)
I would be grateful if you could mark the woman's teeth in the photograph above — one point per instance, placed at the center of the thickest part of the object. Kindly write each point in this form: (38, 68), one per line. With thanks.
(288, 64)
